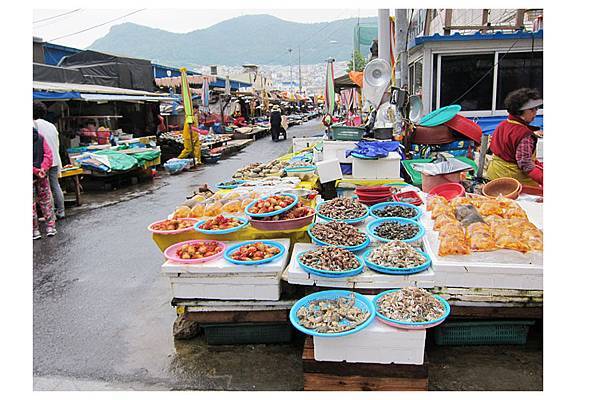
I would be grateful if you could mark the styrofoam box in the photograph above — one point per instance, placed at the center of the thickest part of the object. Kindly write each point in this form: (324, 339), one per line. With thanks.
(378, 343)
(329, 170)
(368, 279)
(337, 149)
(226, 288)
(220, 279)
(383, 168)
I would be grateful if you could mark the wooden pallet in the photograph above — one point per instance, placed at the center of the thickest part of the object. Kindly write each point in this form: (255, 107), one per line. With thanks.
(323, 375)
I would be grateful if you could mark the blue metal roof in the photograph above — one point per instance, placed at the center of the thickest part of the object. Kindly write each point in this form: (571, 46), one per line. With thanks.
(476, 36)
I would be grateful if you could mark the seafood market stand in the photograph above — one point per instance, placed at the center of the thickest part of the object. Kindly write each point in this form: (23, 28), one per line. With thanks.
(274, 268)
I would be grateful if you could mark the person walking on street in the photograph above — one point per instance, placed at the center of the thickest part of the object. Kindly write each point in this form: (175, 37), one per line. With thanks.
(48, 131)
(42, 194)
(275, 121)
(192, 145)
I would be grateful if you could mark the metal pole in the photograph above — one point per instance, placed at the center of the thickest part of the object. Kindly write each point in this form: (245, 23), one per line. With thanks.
(299, 72)
(401, 37)
(290, 50)
(383, 34)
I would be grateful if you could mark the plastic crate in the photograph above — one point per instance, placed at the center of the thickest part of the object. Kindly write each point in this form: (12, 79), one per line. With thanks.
(247, 333)
(342, 132)
(415, 176)
(482, 333)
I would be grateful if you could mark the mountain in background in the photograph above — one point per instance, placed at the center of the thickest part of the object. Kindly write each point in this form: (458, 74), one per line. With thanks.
(249, 39)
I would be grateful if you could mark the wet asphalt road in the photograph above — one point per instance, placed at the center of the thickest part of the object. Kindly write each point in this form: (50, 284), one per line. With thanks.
(103, 320)
(102, 311)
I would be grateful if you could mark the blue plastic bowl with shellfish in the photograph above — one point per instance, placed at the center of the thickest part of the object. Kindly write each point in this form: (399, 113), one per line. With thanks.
(330, 274)
(361, 302)
(354, 248)
(346, 220)
(408, 324)
(415, 240)
(380, 206)
(396, 270)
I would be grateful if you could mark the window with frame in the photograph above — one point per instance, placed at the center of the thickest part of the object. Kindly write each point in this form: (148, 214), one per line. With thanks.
(415, 77)
(518, 70)
(459, 73)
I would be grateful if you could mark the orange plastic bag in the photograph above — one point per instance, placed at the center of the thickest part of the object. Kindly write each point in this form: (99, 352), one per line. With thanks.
(480, 237)
(443, 220)
(453, 245)
(434, 200)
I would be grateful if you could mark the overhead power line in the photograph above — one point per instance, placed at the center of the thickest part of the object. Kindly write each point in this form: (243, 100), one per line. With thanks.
(97, 26)
(56, 16)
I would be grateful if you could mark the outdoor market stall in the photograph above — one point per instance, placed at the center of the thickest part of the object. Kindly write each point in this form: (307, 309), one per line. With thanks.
(366, 263)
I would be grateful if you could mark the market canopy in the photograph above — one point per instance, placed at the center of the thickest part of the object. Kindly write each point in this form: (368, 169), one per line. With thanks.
(344, 82)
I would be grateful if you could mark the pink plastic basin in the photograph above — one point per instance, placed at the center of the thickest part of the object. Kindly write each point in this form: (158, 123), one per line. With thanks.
(171, 252)
(284, 225)
(194, 220)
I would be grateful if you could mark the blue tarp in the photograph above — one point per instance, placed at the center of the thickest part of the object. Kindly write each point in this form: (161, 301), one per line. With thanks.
(374, 149)
(489, 124)
(37, 95)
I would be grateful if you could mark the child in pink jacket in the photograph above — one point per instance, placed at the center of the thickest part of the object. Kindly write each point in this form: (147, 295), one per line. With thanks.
(42, 195)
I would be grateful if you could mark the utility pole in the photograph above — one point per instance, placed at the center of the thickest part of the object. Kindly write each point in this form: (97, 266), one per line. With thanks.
(290, 50)
(401, 38)
(383, 34)
(299, 72)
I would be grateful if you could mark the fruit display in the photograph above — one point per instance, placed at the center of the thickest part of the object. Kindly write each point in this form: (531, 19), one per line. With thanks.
(270, 204)
(220, 223)
(255, 252)
(298, 211)
(198, 250)
(173, 225)
(258, 170)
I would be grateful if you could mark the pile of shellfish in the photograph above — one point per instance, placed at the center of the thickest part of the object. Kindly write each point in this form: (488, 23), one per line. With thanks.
(330, 258)
(410, 304)
(396, 254)
(332, 315)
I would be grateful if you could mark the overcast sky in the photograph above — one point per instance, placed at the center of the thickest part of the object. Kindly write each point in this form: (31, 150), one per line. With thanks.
(169, 20)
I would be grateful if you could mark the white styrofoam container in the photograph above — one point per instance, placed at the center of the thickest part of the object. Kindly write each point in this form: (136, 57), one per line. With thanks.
(337, 149)
(329, 170)
(383, 168)
(378, 343)
(226, 288)
(220, 279)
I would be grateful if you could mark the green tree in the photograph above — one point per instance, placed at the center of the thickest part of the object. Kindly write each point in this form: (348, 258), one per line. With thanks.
(359, 62)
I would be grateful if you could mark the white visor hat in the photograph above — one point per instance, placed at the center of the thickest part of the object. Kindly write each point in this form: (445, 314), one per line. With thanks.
(531, 104)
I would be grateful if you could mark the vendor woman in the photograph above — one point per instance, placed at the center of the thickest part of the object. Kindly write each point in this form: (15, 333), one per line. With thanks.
(514, 140)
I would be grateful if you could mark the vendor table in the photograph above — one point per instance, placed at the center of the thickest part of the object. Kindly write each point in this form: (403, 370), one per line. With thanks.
(368, 279)
(74, 175)
(220, 279)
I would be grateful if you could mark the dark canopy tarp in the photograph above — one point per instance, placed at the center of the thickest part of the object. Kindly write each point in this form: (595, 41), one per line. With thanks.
(109, 70)
(50, 73)
(343, 82)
